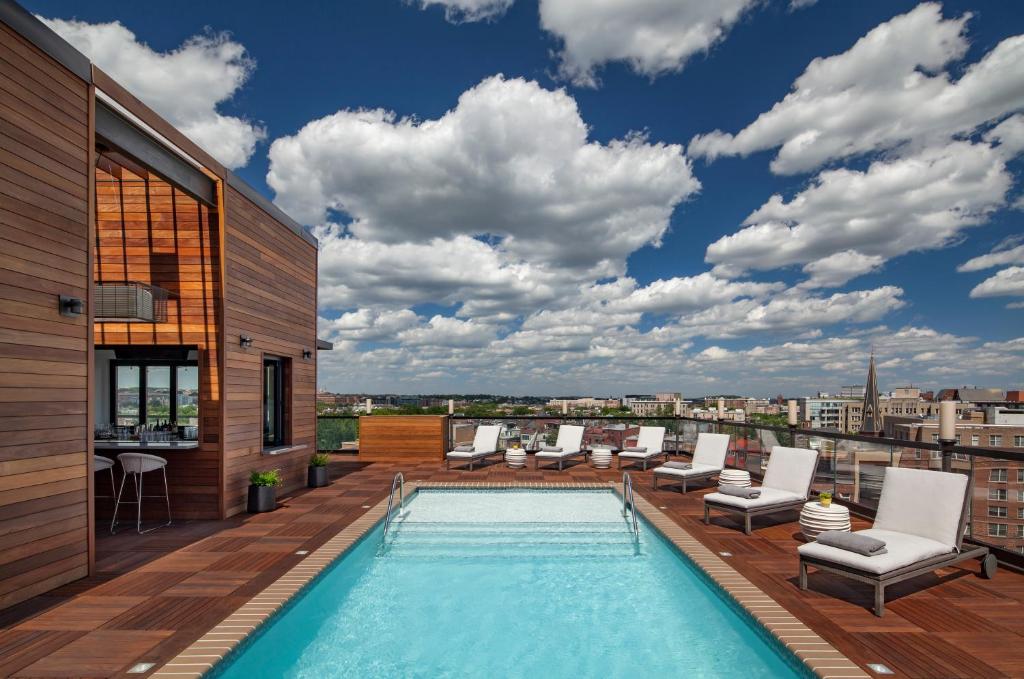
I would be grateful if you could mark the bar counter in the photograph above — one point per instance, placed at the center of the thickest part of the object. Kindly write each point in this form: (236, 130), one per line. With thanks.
(143, 446)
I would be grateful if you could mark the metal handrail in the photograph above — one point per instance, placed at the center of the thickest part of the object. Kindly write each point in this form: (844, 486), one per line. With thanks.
(627, 495)
(399, 480)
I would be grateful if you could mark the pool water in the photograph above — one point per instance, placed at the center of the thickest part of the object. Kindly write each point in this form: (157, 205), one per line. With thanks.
(511, 583)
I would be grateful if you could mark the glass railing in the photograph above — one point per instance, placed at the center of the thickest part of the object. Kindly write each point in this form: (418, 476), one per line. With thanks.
(851, 467)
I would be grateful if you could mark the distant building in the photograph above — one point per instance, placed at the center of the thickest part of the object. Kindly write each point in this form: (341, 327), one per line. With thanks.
(853, 391)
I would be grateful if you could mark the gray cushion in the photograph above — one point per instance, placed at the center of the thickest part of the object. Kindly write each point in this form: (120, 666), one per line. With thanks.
(464, 448)
(678, 465)
(902, 550)
(769, 496)
(922, 502)
(740, 491)
(639, 454)
(853, 542)
(635, 449)
(554, 454)
(551, 449)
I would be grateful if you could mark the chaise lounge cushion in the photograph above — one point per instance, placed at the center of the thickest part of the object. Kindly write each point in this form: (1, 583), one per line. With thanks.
(465, 454)
(555, 454)
(903, 550)
(790, 469)
(922, 502)
(695, 469)
(769, 496)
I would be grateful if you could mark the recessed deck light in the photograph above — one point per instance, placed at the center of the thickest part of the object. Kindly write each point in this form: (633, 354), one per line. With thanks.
(302, 552)
(366, 506)
(879, 668)
(141, 667)
(725, 554)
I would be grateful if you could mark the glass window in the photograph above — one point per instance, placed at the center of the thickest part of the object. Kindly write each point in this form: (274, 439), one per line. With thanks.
(997, 512)
(1020, 476)
(126, 395)
(158, 394)
(997, 530)
(273, 402)
(998, 475)
(1020, 512)
(998, 494)
(975, 440)
(186, 399)
(1018, 441)
(995, 440)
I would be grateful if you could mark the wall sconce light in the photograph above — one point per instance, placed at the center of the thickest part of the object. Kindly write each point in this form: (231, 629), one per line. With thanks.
(307, 354)
(244, 341)
(70, 306)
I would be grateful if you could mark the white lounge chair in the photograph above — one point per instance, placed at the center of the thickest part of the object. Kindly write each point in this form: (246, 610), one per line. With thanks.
(652, 440)
(485, 444)
(708, 460)
(921, 517)
(568, 445)
(786, 485)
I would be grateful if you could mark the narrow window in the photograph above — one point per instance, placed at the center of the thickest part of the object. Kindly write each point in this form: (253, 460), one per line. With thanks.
(127, 399)
(273, 402)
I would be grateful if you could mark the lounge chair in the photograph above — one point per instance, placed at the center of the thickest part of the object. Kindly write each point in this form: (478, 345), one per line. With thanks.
(485, 444)
(708, 460)
(921, 517)
(652, 441)
(786, 485)
(568, 445)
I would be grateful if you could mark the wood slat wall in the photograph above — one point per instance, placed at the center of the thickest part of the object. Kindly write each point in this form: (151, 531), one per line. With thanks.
(270, 295)
(412, 438)
(45, 144)
(152, 232)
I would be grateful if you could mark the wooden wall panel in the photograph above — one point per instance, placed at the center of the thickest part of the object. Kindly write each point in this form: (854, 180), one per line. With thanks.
(270, 295)
(413, 438)
(45, 434)
(150, 231)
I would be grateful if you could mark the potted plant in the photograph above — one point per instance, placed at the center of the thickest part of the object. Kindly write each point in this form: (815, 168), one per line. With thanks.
(825, 498)
(317, 474)
(263, 491)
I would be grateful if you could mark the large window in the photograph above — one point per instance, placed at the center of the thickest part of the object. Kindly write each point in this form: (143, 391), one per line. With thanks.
(154, 392)
(273, 401)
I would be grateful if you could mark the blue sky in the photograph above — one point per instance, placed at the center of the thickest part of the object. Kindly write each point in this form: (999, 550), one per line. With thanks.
(571, 227)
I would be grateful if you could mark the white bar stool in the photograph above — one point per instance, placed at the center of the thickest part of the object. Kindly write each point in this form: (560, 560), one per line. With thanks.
(99, 464)
(137, 464)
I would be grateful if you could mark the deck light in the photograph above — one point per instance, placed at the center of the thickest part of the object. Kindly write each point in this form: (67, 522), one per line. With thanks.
(879, 668)
(70, 306)
(244, 341)
(307, 354)
(141, 668)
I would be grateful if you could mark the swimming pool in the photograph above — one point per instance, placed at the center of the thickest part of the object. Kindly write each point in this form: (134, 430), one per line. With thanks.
(511, 583)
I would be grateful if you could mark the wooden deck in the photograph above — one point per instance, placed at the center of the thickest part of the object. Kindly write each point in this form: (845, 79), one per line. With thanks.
(156, 593)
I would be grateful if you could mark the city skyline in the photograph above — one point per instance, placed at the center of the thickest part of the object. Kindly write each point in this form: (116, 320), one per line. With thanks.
(510, 200)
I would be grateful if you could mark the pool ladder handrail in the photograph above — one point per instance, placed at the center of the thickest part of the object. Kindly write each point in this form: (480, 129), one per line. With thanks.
(399, 481)
(627, 498)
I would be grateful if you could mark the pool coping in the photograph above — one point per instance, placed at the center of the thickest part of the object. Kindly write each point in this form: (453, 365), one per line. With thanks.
(203, 654)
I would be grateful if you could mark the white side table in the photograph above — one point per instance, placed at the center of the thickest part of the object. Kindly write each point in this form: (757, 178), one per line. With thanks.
(734, 477)
(816, 518)
(601, 458)
(515, 458)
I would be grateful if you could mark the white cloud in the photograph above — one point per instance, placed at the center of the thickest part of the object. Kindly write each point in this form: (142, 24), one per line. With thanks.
(891, 88)
(465, 11)
(847, 222)
(511, 161)
(689, 293)
(370, 325)
(444, 331)
(653, 36)
(1009, 281)
(1006, 253)
(185, 85)
(801, 4)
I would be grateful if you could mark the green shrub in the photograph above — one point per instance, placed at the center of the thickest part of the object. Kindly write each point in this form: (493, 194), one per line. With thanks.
(319, 460)
(265, 478)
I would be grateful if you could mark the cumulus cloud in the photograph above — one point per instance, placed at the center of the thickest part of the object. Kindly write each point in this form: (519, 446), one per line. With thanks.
(369, 325)
(1007, 252)
(1009, 281)
(847, 222)
(688, 293)
(893, 87)
(444, 331)
(511, 162)
(185, 85)
(467, 11)
(653, 36)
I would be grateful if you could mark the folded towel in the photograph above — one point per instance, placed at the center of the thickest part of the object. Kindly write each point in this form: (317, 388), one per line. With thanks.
(551, 449)
(635, 449)
(464, 448)
(739, 491)
(678, 465)
(853, 542)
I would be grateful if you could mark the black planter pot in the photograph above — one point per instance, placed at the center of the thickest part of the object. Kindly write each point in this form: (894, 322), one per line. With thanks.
(262, 499)
(317, 477)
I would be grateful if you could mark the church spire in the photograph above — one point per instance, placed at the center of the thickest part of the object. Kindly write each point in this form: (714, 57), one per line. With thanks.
(871, 422)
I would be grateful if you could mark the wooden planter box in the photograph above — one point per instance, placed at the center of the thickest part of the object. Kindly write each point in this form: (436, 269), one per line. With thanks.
(412, 438)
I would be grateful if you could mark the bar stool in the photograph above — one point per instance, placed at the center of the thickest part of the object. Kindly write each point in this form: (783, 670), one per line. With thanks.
(137, 464)
(99, 464)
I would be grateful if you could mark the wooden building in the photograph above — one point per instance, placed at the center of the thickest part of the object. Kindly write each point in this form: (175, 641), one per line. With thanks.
(146, 293)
